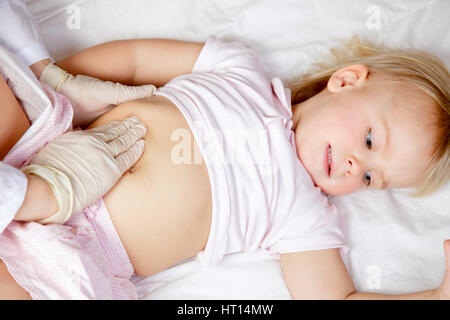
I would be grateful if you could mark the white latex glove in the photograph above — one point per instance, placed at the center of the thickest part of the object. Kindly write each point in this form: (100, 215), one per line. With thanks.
(81, 166)
(19, 32)
(91, 97)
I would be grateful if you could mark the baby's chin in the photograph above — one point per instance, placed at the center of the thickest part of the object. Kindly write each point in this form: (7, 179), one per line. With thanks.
(334, 190)
(330, 190)
(322, 188)
(316, 184)
(325, 188)
(320, 185)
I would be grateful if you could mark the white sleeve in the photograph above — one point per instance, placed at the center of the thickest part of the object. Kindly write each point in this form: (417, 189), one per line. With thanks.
(13, 187)
(19, 32)
(303, 218)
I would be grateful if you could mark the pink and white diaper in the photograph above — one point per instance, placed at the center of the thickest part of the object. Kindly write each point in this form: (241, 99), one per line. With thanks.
(83, 259)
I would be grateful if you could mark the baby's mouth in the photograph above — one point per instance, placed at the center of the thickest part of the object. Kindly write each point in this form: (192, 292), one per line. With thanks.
(328, 163)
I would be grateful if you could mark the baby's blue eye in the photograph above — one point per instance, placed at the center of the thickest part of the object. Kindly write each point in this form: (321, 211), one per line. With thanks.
(369, 139)
(369, 145)
(367, 178)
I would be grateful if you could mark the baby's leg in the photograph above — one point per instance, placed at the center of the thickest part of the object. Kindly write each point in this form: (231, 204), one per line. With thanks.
(13, 120)
(9, 288)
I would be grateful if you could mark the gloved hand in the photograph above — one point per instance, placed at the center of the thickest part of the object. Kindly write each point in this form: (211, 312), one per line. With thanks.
(19, 32)
(81, 166)
(91, 97)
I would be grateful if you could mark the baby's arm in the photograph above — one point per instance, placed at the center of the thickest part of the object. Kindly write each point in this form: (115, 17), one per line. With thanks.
(135, 62)
(322, 274)
(143, 62)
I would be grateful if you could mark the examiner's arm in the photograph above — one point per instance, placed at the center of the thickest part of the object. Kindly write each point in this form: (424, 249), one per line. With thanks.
(71, 172)
(322, 274)
(135, 62)
(39, 203)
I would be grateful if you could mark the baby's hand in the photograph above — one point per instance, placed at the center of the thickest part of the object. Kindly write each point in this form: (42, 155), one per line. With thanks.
(443, 293)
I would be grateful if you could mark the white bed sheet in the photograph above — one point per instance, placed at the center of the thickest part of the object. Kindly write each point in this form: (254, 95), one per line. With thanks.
(396, 241)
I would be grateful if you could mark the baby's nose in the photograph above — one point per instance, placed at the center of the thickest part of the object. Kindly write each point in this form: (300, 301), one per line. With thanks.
(353, 167)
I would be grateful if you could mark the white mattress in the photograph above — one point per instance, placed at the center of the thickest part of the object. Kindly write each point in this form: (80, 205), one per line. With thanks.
(396, 241)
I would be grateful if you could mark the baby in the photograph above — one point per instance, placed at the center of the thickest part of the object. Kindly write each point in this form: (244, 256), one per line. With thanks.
(388, 126)
(342, 130)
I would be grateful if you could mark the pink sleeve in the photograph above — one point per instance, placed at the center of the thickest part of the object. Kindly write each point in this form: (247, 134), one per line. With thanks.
(218, 55)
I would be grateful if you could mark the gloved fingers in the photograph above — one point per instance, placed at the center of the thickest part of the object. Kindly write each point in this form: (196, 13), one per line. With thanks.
(128, 158)
(113, 129)
(127, 139)
(125, 93)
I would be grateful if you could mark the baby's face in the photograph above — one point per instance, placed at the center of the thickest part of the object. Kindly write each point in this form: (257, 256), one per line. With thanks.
(378, 135)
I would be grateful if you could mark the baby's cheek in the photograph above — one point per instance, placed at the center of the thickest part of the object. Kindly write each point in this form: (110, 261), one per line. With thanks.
(347, 132)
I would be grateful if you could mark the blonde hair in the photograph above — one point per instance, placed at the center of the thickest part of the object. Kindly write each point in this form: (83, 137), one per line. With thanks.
(416, 69)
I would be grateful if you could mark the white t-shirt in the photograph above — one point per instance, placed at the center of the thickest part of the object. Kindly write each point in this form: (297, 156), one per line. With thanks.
(262, 197)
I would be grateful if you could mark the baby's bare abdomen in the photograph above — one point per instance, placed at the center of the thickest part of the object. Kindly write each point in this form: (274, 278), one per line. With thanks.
(160, 209)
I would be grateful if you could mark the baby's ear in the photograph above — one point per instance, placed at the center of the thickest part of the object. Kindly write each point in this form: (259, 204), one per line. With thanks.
(348, 76)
